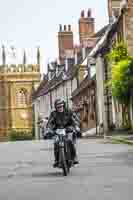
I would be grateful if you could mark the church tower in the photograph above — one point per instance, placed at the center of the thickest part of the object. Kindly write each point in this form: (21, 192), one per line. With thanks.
(17, 83)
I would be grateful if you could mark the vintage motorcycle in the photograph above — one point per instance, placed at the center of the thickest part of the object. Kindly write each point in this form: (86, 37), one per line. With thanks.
(65, 150)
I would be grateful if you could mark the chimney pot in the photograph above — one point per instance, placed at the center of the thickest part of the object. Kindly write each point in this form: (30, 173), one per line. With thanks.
(82, 13)
(60, 27)
(89, 12)
(69, 27)
(64, 27)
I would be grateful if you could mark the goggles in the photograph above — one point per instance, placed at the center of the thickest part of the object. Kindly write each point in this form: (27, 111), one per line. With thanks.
(59, 106)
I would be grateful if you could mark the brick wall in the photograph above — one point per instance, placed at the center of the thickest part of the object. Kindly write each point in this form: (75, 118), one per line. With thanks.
(65, 42)
(86, 26)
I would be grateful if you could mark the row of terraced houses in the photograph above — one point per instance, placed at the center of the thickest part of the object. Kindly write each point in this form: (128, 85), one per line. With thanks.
(80, 72)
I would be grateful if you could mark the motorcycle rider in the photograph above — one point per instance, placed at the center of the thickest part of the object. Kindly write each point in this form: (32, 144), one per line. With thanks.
(63, 117)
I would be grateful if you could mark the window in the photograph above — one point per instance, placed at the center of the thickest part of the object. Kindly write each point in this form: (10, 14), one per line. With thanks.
(22, 97)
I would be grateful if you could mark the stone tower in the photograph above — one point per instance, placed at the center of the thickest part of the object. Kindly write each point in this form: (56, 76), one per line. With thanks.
(86, 26)
(17, 83)
(65, 42)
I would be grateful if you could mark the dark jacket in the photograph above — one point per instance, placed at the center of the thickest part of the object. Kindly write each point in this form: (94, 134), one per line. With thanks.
(63, 120)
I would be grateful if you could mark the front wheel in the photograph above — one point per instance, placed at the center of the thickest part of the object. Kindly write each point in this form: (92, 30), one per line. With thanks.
(63, 162)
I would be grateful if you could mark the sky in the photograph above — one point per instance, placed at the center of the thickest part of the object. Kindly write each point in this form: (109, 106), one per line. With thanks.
(27, 24)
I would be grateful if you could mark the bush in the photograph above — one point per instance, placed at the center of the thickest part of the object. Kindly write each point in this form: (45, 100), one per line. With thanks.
(122, 80)
(121, 73)
(20, 135)
(118, 53)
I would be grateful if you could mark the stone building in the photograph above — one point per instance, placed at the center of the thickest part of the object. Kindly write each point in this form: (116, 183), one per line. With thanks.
(17, 82)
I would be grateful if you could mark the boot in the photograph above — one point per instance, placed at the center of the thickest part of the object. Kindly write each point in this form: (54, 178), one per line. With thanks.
(56, 155)
(74, 154)
(56, 163)
(75, 161)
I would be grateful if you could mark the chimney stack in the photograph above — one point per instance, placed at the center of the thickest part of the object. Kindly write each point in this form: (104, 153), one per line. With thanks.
(65, 42)
(86, 26)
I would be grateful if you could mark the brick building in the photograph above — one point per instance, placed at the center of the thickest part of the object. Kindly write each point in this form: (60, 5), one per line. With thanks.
(86, 26)
(84, 97)
(65, 42)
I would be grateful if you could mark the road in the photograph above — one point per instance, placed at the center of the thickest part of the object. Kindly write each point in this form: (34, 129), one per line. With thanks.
(105, 172)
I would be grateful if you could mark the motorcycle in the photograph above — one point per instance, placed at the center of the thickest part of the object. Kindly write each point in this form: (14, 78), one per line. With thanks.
(65, 154)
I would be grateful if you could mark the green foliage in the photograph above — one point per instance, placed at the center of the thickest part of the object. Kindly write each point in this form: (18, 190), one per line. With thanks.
(122, 80)
(121, 73)
(20, 135)
(118, 53)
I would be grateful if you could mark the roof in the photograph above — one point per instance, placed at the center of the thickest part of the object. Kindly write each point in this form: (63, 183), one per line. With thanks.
(101, 32)
(98, 36)
(55, 81)
(84, 84)
(103, 43)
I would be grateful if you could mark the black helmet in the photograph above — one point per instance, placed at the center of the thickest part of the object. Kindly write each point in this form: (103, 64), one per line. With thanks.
(59, 102)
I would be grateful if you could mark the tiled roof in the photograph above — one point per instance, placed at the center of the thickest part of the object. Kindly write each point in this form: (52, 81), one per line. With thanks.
(103, 43)
(44, 87)
(101, 32)
(84, 84)
(56, 81)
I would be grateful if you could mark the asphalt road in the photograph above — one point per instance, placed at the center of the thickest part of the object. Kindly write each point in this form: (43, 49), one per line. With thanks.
(105, 172)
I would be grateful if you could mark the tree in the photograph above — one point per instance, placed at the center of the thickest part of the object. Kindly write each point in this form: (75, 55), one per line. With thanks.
(121, 78)
(118, 53)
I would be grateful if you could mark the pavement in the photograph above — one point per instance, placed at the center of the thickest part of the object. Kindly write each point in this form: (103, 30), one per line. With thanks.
(89, 133)
(126, 139)
(114, 136)
(104, 172)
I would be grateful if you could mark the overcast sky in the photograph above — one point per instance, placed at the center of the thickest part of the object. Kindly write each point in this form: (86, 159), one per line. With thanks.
(31, 23)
